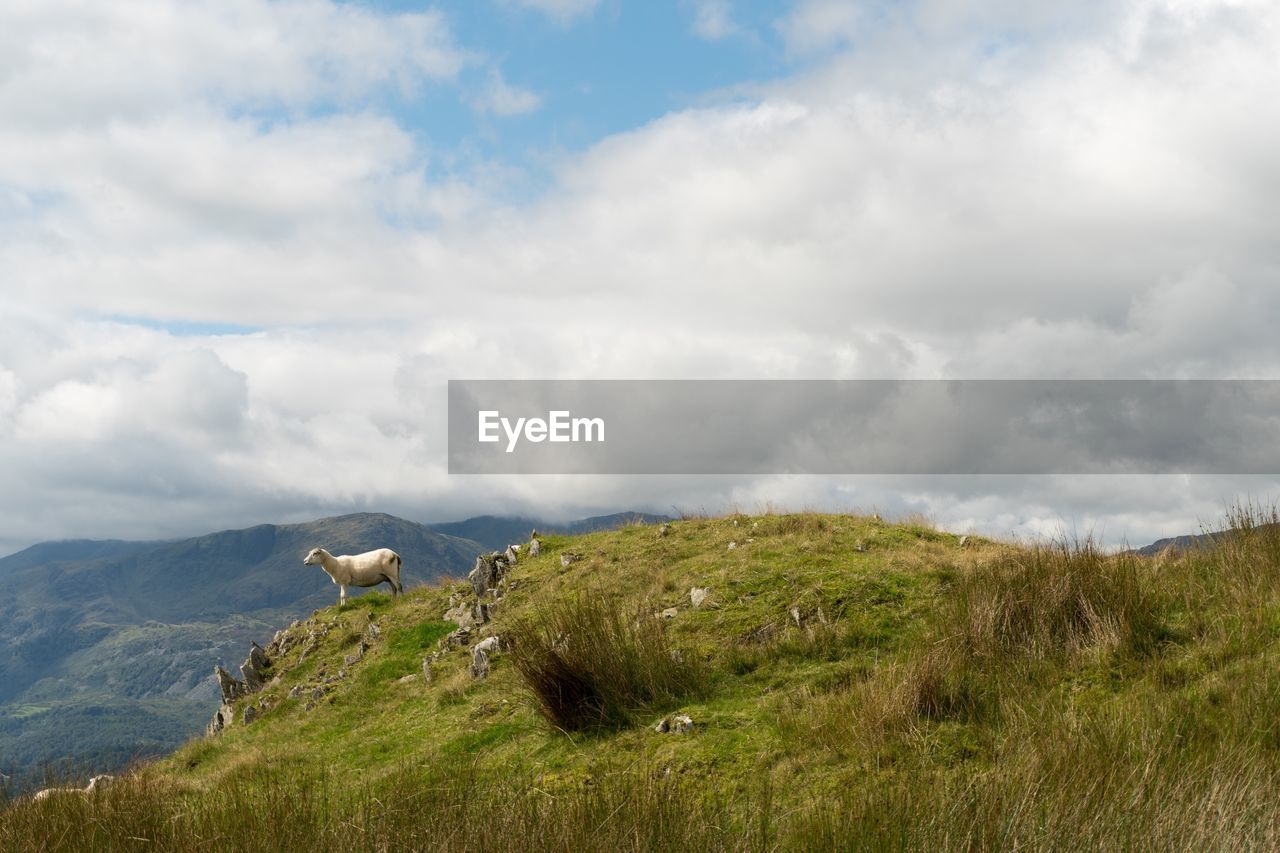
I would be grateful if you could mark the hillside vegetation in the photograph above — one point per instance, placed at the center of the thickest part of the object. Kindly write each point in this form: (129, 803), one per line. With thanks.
(852, 684)
(107, 648)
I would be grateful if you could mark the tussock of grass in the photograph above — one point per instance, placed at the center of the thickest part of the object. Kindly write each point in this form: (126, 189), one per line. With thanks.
(1061, 598)
(587, 664)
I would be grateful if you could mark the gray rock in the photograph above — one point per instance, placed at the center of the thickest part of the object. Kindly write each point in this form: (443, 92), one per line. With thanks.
(372, 633)
(460, 615)
(489, 569)
(663, 726)
(405, 679)
(460, 637)
(480, 614)
(231, 687)
(963, 541)
(250, 714)
(426, 670)
(535, 547)
(682, 724)
(697, 595)
(733, 546)
(296, 691)
(479, 664)
(664, 530)
(489, 645)
(317, 694)
(510, 554)
(670, 613)
(567, 559)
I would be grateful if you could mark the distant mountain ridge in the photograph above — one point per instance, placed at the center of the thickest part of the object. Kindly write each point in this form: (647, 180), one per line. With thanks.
(499, 531)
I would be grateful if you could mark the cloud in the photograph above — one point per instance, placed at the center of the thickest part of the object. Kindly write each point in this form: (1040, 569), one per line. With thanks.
(960, 193)
(502, 99)
(713, 20)
(76, 63)
(562, 11)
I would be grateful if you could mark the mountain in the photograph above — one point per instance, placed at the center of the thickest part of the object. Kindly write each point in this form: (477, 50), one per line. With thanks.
(499, 531)
(1180, 544)
(107, 647)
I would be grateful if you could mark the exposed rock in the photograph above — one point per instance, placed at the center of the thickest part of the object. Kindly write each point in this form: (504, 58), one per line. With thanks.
(510, 554)
(480, 613)
(860, 546)
(318, 693)
(535, 547)
(680, 724)
(489, 569)
(250, 714)
(426, 670)
(963, 541)
(296, 691)
(697, 595)
(489, 645)
(460, 615)
(479, 663)
(372, 633)
(796, 616)
(567, 559)
(405, 679)
(664, 530)
(254, 668)
(231, 687)
(733, 545)
(459, 637)
(670, 613)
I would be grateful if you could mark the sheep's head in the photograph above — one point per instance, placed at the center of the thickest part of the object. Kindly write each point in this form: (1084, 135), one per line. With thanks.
(313, 558)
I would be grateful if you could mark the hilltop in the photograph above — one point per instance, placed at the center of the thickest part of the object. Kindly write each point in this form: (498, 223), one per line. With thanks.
(824, 681)
(108, 646)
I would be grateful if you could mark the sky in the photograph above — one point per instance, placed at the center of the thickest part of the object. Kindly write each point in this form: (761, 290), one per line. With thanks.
(244, 244)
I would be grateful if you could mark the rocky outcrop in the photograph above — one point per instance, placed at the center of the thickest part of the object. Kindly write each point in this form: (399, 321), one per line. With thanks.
(680, 724)
(255, 670)
(489, 570)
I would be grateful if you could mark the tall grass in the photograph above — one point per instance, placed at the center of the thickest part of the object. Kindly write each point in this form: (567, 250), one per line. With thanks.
(1059, 598)
(589, 664)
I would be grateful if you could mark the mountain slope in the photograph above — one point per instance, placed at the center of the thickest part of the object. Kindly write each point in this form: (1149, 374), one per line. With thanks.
(847, 684)
(499, 531)
(130, 631)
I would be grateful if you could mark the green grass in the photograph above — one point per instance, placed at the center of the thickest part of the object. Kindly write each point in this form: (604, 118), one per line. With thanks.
(854, 684)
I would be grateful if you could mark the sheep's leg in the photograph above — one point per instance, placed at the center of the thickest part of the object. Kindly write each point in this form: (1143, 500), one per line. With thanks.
(342, 594)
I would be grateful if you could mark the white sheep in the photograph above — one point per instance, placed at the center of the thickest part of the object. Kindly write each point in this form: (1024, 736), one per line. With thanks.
(368, 569)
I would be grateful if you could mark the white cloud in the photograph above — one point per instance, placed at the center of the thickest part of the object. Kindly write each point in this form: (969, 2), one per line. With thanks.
(502, 99)
(1092, 199)
(79, 63)
(563, 11)
(815, 25)
(713, 19)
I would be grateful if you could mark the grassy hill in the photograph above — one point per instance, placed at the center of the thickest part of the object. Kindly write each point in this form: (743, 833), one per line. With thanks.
(107, 648)
(852, 684)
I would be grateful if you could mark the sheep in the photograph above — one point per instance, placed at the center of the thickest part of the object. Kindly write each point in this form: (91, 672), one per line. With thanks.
(368, 569)
(94, 783)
